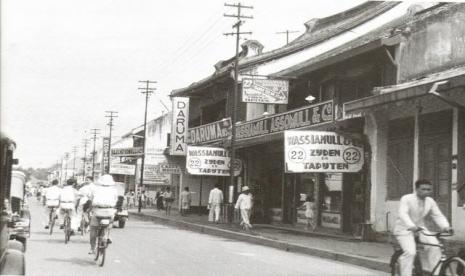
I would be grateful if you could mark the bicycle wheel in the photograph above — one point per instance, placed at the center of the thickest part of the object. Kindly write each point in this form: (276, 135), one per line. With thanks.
(67, 228)
(97, 248)
(102, 251)
(395, 267)
(51, 222)
(454, 266)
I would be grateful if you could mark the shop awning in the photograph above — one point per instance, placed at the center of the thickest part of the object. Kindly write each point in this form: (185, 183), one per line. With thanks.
(442, 81)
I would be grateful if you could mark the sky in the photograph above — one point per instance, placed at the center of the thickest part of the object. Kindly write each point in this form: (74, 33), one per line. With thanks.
(64, 63)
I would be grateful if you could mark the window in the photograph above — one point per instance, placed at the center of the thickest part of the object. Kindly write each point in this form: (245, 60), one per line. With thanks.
(400, 158)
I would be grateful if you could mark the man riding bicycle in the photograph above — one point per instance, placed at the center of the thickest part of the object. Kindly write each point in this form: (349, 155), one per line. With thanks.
(103, 197)
(52, 199)
(84, 199)
(413, 210)
(68, 203)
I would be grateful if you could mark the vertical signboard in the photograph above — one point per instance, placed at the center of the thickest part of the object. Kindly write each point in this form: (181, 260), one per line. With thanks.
(178, 143)
(105, 155)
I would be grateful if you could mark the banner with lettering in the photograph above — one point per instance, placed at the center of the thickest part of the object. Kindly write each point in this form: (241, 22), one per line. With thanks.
(294, 119)
(179, 126)
(265, 91)
(322, 151)
(211, 132)
(210, 161)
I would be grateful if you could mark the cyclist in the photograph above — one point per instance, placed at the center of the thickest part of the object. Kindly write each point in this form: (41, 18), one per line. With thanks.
(68, 197)
(103, 196)
(84, 201)
(413, 210)
(52, 199)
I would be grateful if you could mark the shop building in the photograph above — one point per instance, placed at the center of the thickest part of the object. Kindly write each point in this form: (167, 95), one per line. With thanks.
(416, 127)
(340, 59)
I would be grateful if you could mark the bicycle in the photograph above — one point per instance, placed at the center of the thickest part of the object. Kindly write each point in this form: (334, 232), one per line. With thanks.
(67, 225)
(51, 219)
(84, 223)
(453, 266)
(103, 232)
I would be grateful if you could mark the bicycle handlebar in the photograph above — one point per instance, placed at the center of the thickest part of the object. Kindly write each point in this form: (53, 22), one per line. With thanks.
(436, 234)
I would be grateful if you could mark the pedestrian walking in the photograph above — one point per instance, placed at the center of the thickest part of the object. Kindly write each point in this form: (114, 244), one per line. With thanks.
(244, 203)
(168, 196)
(215, 199)
(185, 201)
(308, 206)
(159, 200)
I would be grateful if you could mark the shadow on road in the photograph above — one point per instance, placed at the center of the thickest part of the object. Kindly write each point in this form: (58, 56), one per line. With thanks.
(59, 241)
(74, 260)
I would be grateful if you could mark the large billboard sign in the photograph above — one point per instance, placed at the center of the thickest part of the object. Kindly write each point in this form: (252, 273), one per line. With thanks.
(322, 151)
(210, 161)
(265, 91)
(212, 132)
(304, 117)
(179, 125)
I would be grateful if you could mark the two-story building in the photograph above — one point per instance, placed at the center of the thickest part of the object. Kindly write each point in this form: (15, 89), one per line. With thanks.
(340, 59)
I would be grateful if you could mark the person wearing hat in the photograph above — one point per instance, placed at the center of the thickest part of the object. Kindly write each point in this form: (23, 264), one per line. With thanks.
(244, 204)
(103, 196)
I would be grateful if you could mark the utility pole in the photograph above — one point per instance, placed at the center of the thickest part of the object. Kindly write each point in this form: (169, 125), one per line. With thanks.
(61, 171)
(74, 159)
(287, 32)
(84, 159)
(237, 25)
(66, 164)
(94, 131)
(111, 115)
(147, 91)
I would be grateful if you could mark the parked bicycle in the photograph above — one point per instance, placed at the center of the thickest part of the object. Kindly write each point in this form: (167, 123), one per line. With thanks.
(103, 234)
(450, 266)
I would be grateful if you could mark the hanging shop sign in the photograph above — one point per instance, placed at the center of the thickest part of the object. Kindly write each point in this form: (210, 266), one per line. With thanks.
(210, 161)
(212, 132)
(322, 151)
(170, 168)
(308, 116)
(105, 154)
(154, 176)
(265, 91)
(126, 169)
(178, 143)
(122, 152)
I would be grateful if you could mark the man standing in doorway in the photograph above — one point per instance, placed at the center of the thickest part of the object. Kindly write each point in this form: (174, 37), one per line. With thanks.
(215, 199)
(185, 201)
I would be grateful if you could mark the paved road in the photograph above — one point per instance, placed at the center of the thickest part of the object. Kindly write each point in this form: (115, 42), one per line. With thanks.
(145, 248)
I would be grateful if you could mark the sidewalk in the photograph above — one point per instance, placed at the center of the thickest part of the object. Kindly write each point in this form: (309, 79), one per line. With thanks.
(367, 254)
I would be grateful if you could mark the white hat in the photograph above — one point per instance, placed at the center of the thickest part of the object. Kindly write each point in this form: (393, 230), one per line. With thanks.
(245, 188)
(106, 180)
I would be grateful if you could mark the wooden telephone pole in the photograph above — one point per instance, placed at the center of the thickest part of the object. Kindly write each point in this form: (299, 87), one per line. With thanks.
(237, 33)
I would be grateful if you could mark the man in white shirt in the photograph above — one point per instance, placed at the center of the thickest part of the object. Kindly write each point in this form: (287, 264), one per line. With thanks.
(52, 199)
(68, 197)
(215, 199)
(84, 198)
(413, 210)
(103, 196)
(244, 204)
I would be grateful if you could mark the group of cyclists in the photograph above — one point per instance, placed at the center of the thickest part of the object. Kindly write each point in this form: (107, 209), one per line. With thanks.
(86, 205)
